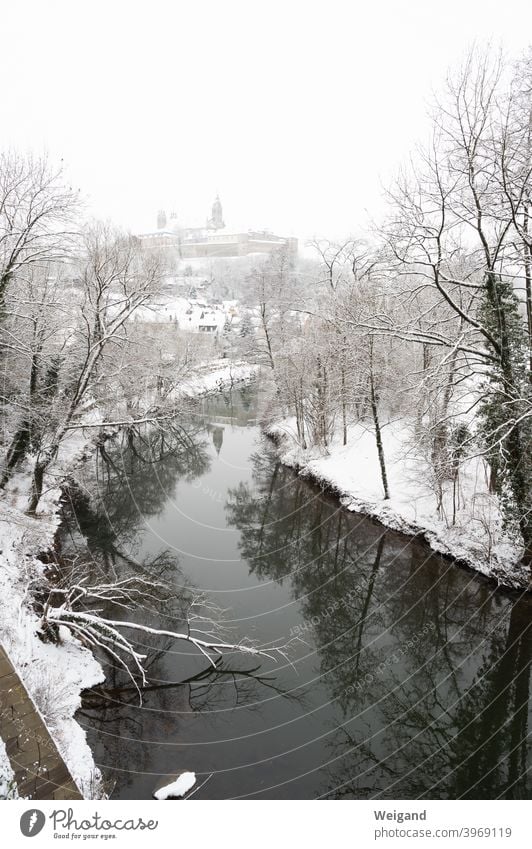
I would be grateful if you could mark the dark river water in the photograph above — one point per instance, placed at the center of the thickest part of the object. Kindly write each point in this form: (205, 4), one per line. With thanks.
(410, 677)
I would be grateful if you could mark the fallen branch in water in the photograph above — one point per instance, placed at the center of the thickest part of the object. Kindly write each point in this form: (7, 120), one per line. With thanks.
(101, 633)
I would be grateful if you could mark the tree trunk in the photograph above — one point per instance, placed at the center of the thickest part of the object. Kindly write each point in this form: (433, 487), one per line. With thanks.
(344, 411)
(37, 484)
(16, 451)
(527, 250)
(267, 335)
(22, 437)
(376, 422)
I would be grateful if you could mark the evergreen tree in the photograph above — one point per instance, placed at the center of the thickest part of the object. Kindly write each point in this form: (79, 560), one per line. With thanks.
(246, 326)
(505, 424)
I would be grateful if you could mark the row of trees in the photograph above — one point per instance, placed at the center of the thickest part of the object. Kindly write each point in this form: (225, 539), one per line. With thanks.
(431, 319)
(71, 355)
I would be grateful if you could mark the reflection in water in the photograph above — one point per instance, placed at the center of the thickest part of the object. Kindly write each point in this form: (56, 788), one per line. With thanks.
(412, 676)
(133, 474)
(218, 438)
(429, 670)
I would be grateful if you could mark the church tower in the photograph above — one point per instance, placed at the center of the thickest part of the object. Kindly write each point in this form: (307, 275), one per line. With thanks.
(216, 221)
(161, 220)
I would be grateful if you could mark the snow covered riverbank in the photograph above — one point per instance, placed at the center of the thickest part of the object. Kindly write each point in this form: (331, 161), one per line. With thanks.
(216, 376)
(56, 675)
(476, 538)
(8, 788)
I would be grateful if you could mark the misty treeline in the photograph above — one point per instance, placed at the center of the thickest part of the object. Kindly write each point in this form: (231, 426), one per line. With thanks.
(428, 321)
(72, 352)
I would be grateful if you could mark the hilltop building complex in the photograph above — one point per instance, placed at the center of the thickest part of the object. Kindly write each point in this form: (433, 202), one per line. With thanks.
(212, 239)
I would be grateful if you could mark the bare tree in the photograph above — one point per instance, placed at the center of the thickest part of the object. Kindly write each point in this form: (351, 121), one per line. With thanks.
(115, 279)
(453, 203)
(37, 208)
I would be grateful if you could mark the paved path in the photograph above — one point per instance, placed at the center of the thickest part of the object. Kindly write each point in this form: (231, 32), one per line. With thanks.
(40, 771)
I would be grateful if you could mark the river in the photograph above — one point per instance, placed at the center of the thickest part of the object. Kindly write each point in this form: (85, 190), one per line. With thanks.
(407, 676)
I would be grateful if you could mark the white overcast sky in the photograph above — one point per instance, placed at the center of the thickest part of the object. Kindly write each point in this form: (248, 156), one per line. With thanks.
(294, 112)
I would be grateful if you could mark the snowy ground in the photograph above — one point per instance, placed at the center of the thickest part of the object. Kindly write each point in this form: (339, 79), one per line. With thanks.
(8, 788)
(55, 675)
(476, 538)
